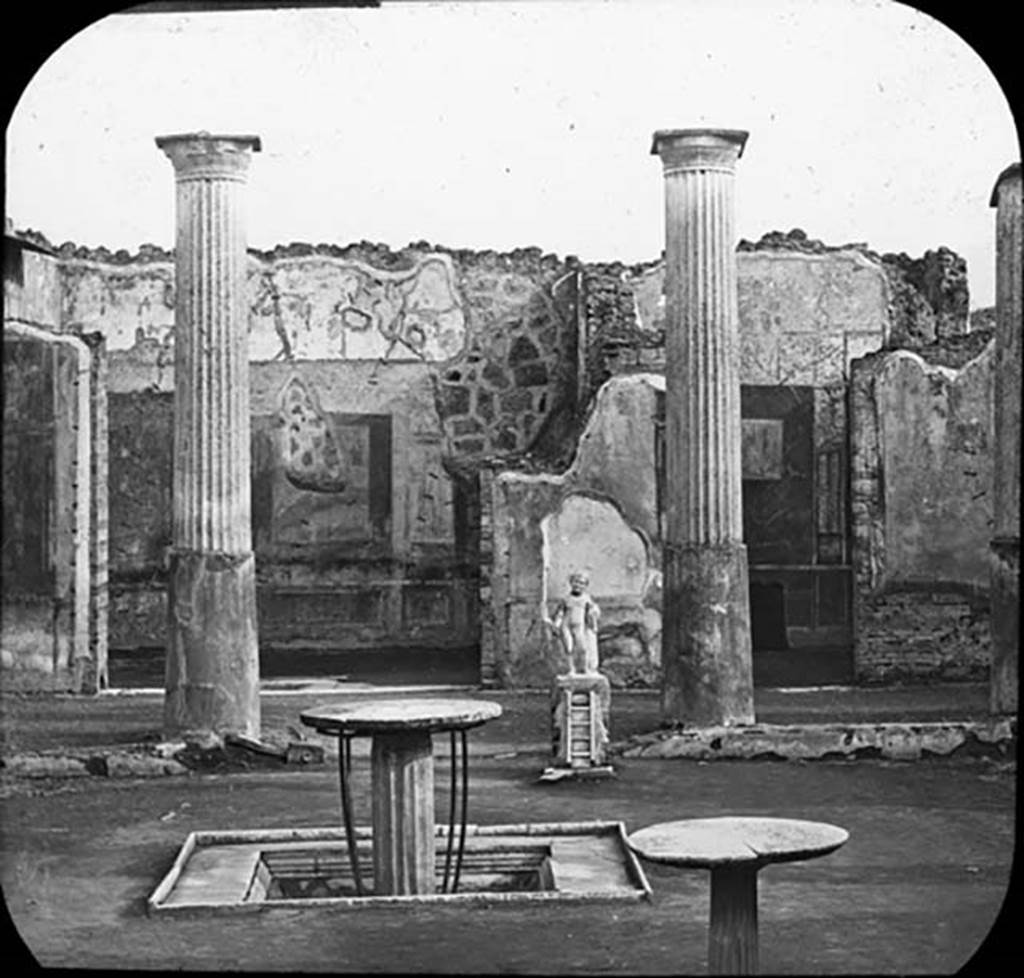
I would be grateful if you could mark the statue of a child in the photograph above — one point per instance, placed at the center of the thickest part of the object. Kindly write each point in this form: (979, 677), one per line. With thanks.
(575, 622)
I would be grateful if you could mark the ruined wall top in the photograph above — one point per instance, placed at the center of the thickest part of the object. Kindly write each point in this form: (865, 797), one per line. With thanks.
(930, 297)
(377, 254)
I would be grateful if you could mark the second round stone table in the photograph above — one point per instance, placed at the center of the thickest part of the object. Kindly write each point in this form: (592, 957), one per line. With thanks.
(735, 848)
(402, 781)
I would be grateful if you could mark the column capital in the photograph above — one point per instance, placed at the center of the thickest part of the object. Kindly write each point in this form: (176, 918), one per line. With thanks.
(699, 149)
(202, 156)
(1010, 173)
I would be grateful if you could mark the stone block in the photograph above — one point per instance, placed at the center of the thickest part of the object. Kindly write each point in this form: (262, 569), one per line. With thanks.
(304, 753)
(516, 401)
(466, 426)
(45, 766)
(168, 748)
(505, 440)
(523, 350)
(495, 376)
(454, 400)
(894, 741)
(124, 765)
(530, 375)
(485, 404)
(470, 445)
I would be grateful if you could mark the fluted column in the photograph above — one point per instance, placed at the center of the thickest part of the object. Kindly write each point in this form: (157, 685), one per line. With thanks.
(1005, 557)
(212, 677)
(402, 788)
(706, 652)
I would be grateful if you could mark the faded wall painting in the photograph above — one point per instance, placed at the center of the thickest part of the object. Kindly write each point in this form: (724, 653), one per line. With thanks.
(802, 317)
(319, 477)
(316, 307)
(321, 308)
(935, 430)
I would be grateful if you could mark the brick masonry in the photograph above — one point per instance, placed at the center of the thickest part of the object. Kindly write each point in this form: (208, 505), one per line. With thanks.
(915, 634)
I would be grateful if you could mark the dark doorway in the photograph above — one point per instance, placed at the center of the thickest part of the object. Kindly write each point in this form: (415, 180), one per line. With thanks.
(768, 617)
(795, 529)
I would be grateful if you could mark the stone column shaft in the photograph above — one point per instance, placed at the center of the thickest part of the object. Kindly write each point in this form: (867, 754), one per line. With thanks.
(402, 787)
(1005, 556)
(702, 418)
(211, 396)
(706, 621)
(212, 681)
(732, 930)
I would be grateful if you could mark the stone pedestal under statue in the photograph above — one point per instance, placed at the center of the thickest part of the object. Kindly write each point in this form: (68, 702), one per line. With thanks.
(580, 717)
(581, 698)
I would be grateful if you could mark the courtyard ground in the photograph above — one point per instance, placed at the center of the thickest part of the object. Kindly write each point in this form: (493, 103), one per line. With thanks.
(917, 889)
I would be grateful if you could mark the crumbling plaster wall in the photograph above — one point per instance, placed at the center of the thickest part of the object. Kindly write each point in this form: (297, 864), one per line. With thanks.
(922, 513)
(806, 309)
(802, 316)
(807, 312)
(612, 484)
(498, 327)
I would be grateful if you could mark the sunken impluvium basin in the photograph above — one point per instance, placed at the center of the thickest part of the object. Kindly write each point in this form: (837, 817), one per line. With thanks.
(231, 872)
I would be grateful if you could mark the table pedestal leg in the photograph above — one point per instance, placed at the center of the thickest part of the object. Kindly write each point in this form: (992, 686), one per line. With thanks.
(732, 944)
(402, 784)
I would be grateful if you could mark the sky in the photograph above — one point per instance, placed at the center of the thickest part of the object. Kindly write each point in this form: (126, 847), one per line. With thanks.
(513, 124)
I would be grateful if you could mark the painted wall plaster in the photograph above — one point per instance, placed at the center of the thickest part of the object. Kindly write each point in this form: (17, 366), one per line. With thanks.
(311, 505)
(316, 307)
(935, 429)
(922, 513)
(491, 344)
(462, 351)
(802, 317)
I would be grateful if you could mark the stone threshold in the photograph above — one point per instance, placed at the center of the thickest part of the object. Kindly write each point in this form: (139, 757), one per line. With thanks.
(827, 741)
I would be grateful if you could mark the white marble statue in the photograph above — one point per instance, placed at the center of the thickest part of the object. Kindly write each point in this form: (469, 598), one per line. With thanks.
(575, 623)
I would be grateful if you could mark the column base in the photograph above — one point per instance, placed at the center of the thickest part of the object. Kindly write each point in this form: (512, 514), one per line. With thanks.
(706, 650)
(212, 672)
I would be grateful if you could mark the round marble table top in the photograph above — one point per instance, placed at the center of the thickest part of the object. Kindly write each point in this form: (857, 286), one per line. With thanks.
(710, 842)
(398, 715)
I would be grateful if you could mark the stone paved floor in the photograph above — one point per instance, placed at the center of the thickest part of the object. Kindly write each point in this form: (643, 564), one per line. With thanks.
(915, 890)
